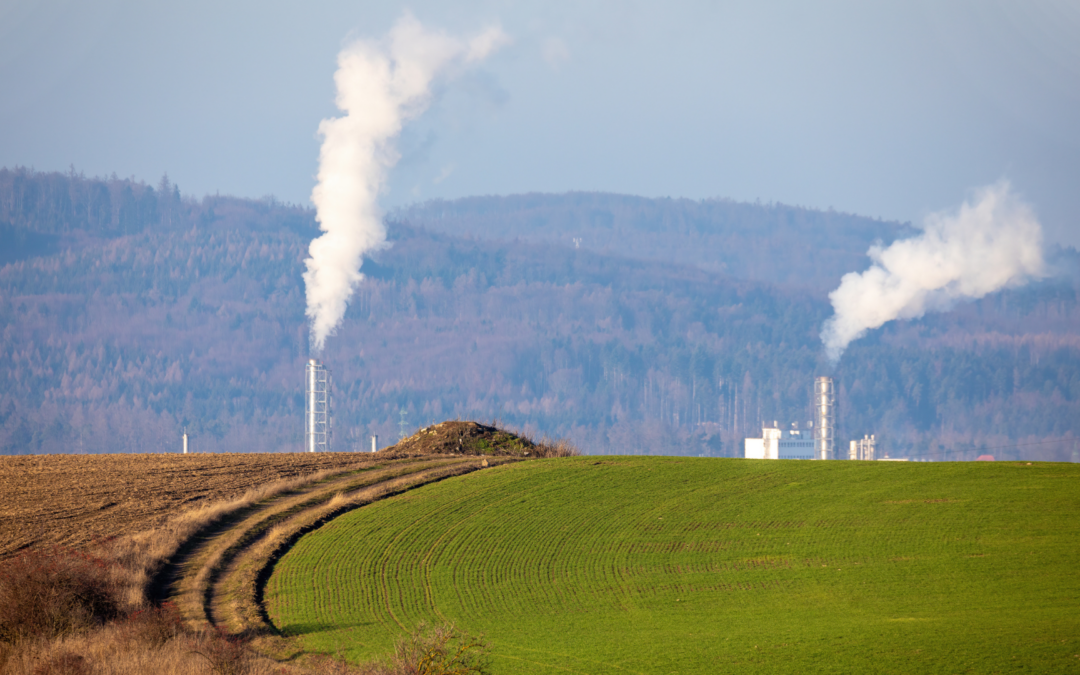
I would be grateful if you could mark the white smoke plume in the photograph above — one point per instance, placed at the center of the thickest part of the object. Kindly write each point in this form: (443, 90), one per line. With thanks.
(991, 242)
(381, 85)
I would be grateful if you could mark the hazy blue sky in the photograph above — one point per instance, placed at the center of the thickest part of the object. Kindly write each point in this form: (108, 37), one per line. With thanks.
(889, 109)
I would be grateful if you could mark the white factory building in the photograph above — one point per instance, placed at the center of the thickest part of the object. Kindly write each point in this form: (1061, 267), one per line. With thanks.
(775, 443)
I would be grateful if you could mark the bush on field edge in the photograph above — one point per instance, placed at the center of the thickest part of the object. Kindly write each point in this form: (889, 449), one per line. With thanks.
(442, 649)
(53, 592)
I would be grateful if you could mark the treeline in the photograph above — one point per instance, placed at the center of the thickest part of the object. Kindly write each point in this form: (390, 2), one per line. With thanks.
(772, 243)
(57, 204)
(117, 341)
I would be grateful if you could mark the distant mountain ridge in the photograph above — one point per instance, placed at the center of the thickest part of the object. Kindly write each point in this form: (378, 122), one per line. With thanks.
(772, 243)
(137, 313)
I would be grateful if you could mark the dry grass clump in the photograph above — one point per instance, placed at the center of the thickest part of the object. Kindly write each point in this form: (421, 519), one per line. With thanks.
(434, 650)
(51, 593)
(557, 447)
(545, 447)
(114, 650)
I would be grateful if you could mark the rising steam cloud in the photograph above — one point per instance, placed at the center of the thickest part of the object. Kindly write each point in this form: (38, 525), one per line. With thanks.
(380, 86)
(990, 243)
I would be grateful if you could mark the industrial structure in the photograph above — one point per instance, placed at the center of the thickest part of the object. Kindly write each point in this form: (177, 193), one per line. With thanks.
(824, 405)
(318, 418)
(863, 448)
(776, 444)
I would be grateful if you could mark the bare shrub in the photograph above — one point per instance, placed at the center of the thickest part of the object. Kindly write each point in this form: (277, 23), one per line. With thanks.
(47, 593)
(114, 650)
(557, 447)
(545, 447)
(152, 627)
(227, 655)
(64, 663)
(435, 650)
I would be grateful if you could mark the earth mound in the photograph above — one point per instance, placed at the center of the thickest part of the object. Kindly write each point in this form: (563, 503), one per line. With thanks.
(465, 438)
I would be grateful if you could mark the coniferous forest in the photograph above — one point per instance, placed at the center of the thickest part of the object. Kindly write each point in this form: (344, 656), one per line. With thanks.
(131, 312)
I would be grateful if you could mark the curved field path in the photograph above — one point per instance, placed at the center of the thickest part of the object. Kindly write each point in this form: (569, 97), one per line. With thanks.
(660, 565)
(217, 576)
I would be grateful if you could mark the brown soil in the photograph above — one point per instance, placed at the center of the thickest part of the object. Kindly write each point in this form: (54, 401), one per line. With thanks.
(73, 500)
(463, 438)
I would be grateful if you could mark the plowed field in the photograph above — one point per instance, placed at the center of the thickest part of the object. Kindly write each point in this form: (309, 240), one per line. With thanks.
(75, 499)
(660, 565)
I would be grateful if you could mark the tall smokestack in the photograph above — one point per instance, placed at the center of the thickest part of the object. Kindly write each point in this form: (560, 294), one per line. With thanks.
(317, 421)
(824, 418)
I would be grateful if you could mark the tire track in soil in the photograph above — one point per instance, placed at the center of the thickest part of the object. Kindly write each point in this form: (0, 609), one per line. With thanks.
(218, 576)
(194, 571)
(255, 530)
(162, 586)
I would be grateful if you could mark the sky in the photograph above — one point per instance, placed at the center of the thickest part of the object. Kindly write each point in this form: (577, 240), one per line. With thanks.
(892, 109)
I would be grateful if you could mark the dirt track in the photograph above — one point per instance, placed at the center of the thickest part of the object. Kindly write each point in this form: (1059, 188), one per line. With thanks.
(75, 499)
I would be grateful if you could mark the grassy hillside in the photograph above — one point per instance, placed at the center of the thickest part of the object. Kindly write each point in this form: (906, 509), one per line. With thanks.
(659, 565)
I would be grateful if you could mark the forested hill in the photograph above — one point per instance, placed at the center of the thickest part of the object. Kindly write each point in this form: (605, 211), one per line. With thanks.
(130, 312)
(773, 243)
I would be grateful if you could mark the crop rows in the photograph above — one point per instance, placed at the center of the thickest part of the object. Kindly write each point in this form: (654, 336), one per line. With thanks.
(657, 564)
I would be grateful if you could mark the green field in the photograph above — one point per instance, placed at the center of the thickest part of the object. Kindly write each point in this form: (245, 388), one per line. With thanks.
(681, 565)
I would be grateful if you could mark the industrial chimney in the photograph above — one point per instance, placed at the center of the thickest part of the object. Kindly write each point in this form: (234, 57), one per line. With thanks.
(317, 420)
(824, 418)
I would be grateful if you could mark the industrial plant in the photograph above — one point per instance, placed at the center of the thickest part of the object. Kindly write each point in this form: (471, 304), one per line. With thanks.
(776, 443)
(318, 413)
(863, 448)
